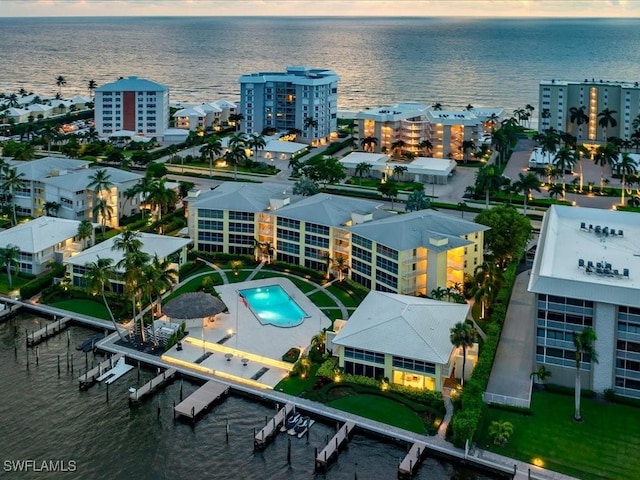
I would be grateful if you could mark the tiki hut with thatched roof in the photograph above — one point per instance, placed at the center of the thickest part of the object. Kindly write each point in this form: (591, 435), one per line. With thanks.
(194, 308)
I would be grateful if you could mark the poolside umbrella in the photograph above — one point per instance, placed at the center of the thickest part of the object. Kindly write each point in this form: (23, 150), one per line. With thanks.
(194, 305)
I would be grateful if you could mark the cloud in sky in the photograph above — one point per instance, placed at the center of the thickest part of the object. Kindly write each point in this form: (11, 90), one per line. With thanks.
(415, 8)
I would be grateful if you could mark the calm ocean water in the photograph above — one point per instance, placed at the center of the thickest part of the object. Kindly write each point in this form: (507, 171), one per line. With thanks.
(45, 417)
(484, 62)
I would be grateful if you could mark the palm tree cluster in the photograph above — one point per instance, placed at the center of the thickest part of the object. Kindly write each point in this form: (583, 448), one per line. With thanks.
(145, 279)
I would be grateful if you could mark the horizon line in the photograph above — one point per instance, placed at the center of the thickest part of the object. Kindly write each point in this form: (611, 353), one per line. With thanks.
(491, 17)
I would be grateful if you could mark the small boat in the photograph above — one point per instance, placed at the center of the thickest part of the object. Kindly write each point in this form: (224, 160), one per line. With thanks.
(299, 427)
(301, 434)
(132, 390)
(291, 422)
(88, 344)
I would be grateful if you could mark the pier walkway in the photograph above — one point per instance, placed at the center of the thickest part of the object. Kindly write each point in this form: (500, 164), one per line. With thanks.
(89, 378)
(272, 427)
(148, 388)
(412, 460)
(200, 400)
(49, 330)
(332, 449)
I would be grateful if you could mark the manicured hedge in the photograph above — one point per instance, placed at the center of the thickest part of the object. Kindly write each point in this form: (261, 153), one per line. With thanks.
(38, 284)
(465, 422)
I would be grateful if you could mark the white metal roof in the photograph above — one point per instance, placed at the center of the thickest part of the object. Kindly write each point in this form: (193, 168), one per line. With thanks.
(152, 244)
(563, 243)
(402, 325)
(284, 147)
(373, 159)
(39, 234)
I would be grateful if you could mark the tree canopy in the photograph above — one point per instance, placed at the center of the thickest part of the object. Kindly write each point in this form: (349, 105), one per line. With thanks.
(509, 231)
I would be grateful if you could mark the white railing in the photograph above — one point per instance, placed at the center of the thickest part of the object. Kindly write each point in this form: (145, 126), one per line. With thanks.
(507, 400)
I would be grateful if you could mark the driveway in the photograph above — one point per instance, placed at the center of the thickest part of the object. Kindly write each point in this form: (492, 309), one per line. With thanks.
(510, 380)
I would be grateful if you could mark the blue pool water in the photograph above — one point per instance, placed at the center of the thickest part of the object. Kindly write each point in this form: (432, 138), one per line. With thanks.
(272, 305)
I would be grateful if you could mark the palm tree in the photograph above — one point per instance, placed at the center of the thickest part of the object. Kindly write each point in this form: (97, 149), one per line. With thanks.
(606, 154)
(438, 293)
(397, 146)
(437, 106)
(85, 232)
(256, 142)
(98, 276)
(623, 167)
(9, 259)
(578, 116)
(211, 149)
(309, 124)
(463, 335)
(541, 375)
(488, 180)
(399, 170)
(159, 196)
(487, 278)
(606, 119)
(160, 276)
(583, 343)
(467, 146)
(92, 85)
(60, 82)
(426, 146)
(363, 168)
(500, 431)
(132, 264)
(526, 184)
(104, 212)
(369, 143)
(555, 190)
(236, 118)
(564, 160)
(51, 208)
(341, 265)
(236, 153)
(469, 107)
(12, 181)
(100, 181)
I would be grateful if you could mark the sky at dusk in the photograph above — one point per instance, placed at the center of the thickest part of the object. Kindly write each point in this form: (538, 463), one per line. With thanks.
(413, 8)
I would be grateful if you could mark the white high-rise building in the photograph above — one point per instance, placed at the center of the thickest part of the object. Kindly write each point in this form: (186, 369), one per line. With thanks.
(577, 108)
(284, 100)
(133, 105)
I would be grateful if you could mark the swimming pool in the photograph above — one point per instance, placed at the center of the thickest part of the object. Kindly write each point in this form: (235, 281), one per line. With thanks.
(273, 306)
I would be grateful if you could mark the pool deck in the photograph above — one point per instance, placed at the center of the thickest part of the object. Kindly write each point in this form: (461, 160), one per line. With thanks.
(238, 335)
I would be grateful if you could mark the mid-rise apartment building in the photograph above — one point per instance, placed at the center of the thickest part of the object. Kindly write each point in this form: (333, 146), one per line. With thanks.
(64, 182)
(585, 274)
(425, 131)
(284, 100)
(412, 253)
(134, 105)
(576, 108)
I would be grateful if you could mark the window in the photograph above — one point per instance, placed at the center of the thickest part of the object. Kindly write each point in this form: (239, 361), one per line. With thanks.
(387, 264)
(358, 252)
(316, 241)
(386, 278)
(245, 216)
(210, 237)
(363, 242)
(386, 251)
(241, 227)
(366, 355)
(415, 365)
(288, 235)
(210, 225)
(358, 266)
(206, 213)
(288, 223)
(315, 228)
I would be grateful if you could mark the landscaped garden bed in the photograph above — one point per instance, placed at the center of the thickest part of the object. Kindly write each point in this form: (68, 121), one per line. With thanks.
(292, 355)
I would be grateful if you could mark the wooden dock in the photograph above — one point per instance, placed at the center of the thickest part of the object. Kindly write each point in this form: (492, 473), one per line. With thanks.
(330, 452)
(412, 460)
(272, 427)
(9, 310)
(200, 400)
(150, 387)
(89, 378)
(49, 330)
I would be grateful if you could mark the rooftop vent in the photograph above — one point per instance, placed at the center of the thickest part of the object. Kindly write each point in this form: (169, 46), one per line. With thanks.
(358, 218)
(278, 202)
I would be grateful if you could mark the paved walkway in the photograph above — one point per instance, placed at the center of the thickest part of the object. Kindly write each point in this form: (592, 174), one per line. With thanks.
(222, 273)
(510, 379)
(255, 271)
(448, 405)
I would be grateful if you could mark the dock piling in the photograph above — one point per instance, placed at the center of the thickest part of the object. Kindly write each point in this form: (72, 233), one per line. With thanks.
(58, 365)
(27, 358)
(37, 356)
(107, 393)
(15, 350)
(86, 361)
(158, 411)
(181, 389)
(174, 410)
(139, 373)
(289, 451)
(72, 364)
(227, 430)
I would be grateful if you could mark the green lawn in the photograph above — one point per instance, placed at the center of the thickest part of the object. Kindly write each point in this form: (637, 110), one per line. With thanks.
(321, 299)
(380, 409)
(193, 285)
(240, 277)
(333, 314)
(604, 446)
(347, 299)
(296, 385)
(17, 283)
(84, 306)
(298, 282)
